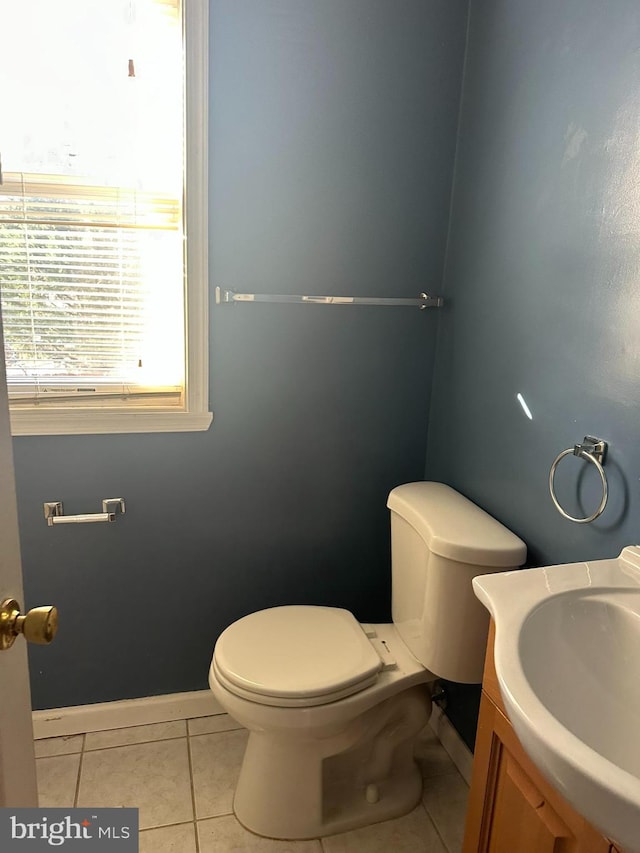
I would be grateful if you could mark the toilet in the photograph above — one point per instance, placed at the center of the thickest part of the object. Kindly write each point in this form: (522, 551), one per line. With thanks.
(333, 706)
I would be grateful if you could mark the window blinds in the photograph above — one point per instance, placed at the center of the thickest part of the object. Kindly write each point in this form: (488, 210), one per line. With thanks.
(84, 272)
(92, 269)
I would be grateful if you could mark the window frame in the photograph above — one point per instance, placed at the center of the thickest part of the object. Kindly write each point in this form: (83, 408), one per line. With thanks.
(195, 416)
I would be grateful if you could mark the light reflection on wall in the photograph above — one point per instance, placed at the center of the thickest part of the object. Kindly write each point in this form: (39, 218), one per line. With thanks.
(620, 240)
(525, 408)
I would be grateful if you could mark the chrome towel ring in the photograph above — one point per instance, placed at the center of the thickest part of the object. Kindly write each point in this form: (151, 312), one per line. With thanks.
(593, 450)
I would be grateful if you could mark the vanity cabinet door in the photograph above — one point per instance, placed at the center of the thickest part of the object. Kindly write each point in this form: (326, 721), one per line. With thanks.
(512, 807)
(508, 809)
(531, 824)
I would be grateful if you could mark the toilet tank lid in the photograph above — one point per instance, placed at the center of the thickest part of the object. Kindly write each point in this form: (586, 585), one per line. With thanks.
(454, 527)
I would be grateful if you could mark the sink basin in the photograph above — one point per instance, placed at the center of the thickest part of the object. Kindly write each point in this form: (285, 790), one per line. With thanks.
(567, 656)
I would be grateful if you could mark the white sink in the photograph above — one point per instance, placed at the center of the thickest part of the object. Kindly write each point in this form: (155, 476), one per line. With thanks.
(567, 656)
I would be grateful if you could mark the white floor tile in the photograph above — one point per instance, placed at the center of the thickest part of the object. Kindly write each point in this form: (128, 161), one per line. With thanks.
(135, 734)
(59, 745)
(226, 835)
(148, 767)
(445, 799)
(57, 780)
(169, 839)
(208, 725)
(215, 762)
(153, 777)
(430, 754)
(413, 833)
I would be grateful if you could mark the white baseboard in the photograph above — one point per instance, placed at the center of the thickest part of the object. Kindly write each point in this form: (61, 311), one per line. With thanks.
(458, 751)
(57, 722)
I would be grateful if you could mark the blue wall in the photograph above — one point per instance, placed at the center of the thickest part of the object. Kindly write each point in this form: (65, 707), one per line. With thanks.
(542, 273)
(333, 133)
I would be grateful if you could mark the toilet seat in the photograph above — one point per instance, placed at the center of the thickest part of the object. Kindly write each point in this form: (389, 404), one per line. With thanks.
(296, 656)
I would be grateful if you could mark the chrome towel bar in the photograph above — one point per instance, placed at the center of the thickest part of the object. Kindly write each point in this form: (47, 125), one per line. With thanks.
(111, 507)
(423, 301)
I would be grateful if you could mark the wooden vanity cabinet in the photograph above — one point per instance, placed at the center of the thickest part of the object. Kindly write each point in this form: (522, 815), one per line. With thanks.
(512, 807)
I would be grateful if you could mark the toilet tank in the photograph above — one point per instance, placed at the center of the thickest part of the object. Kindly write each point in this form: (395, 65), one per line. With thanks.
(440, 541)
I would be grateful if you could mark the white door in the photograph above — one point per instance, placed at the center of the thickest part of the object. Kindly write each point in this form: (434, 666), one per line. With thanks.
(17, 761)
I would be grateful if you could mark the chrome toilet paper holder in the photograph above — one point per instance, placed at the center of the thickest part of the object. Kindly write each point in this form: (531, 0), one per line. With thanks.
(111, 508)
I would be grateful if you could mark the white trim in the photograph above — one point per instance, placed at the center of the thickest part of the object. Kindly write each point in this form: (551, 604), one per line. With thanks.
(82, 422)
(77, 719)
(457, 749)
(57, 722)
(197, 203)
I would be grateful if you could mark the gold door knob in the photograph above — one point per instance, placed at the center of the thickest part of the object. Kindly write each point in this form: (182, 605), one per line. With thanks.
(39, 625)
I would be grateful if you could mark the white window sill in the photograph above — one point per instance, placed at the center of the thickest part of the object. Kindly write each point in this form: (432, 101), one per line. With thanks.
(88, 423)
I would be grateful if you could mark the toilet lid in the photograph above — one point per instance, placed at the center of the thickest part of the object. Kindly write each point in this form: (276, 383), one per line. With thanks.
(296, 651)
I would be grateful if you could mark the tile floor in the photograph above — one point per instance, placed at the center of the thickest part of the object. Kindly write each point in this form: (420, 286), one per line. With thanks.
(181, 776)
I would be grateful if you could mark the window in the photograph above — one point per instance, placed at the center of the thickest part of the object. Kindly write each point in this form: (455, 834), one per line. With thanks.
(103, 216)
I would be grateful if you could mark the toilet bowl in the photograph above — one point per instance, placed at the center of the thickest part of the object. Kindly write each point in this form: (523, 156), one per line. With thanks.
(334, 707)
(325, 765)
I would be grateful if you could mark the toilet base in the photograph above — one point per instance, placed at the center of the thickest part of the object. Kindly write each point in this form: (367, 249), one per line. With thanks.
(297, 786)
